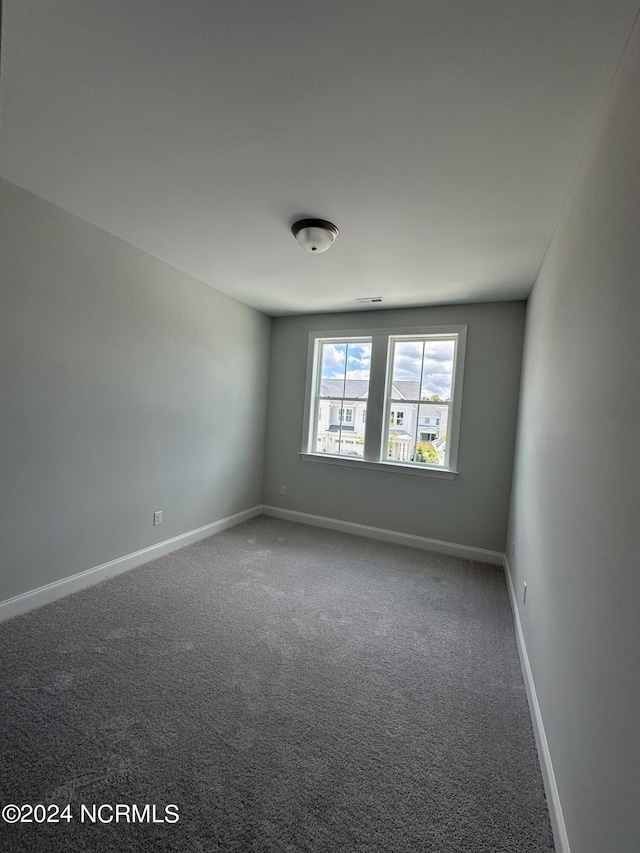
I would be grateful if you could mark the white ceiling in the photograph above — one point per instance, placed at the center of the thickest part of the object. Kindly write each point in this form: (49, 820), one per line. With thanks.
(441, 136)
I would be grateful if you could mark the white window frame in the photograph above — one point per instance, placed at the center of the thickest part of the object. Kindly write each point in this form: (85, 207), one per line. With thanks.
(378, 401)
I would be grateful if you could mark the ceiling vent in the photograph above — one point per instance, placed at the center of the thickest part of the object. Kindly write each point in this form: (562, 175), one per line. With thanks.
(365, 300)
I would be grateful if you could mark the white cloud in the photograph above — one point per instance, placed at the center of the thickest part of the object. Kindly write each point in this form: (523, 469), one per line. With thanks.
(439, 351)
(358, 361)
(333, 356)
(437, 368)
(361, 362)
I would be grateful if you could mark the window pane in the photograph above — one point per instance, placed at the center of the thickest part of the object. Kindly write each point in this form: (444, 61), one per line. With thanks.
(333, 365)
(422, 435)
(438, 370)
(341, 428)
(422, 369)
(431, 434)
(343, 392)
(345, 369)
(407, 369)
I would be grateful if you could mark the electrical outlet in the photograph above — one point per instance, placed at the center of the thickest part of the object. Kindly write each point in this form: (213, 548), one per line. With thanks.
(157, 518)
(524, 592)
(283, 490)
(513, 549)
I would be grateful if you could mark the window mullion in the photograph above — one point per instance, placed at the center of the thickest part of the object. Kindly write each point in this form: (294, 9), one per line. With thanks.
(376, 402)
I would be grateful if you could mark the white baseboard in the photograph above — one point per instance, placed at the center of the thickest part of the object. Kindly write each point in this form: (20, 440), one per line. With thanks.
(59, 589)
(553, 798)
(437, 545)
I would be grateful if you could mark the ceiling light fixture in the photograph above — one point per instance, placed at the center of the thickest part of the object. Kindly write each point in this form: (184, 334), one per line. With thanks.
(314, 235)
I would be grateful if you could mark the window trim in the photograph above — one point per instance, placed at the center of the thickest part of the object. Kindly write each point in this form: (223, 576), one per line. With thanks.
(391, 466)
(378, 401)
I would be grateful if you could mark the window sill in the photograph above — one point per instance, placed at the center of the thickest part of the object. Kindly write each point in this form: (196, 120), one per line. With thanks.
(395, 467)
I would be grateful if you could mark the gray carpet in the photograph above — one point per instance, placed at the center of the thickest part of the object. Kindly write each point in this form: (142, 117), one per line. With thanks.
(289, 689)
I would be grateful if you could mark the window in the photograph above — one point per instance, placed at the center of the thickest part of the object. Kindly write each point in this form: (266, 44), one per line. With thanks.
(341, 371)
(411, 380)
(345, 415)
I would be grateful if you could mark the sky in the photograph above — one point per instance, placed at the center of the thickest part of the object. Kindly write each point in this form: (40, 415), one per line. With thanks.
(437, 370)
(356, 357)
(407, 363)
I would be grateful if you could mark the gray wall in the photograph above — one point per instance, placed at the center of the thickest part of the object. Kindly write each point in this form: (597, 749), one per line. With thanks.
(470, 510)
(576, 497)
(125, 387)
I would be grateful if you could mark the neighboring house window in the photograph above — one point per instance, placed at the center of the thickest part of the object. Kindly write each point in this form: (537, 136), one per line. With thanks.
(345, 415)
(421, 369)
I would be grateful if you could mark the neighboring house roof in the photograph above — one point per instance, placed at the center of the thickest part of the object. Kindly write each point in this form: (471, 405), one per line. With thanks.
(352, 389)
(405, 389)
(336, 428)
(358, 389)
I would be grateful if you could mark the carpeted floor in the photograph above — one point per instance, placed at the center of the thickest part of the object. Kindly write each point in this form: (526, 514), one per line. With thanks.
(288, 689)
